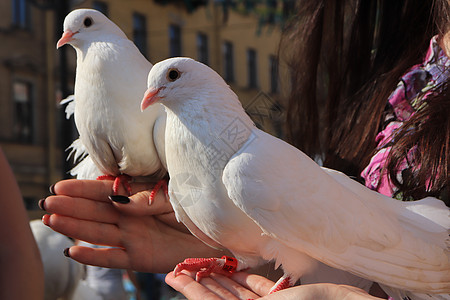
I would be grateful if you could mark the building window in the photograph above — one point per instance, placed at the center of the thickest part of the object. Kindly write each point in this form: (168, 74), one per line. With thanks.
(140, 32)
(174, 40)
(273, 65)
(272, 10)
(202, 48)
(101, 7)
(23, 112)
(228, 62)
(252, 69)
(21, 13)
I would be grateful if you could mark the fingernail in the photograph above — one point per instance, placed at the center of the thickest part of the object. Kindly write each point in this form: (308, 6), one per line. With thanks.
(66, 252)
(46, 220)
(119, 199)
(41, 204)
(52, 189)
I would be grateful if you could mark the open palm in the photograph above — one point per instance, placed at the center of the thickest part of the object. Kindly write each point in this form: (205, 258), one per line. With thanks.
(145, 237)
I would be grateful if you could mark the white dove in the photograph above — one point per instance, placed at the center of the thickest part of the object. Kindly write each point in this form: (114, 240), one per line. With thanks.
(110, 79)
(237, 187)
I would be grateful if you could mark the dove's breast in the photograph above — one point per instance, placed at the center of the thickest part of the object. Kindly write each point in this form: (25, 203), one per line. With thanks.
(198, 195)
(117, 135)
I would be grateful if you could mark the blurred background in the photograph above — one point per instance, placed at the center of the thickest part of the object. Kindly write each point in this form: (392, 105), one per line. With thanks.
(237, 38)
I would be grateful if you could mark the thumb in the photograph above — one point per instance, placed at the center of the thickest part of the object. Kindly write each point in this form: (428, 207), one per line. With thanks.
(139, 204)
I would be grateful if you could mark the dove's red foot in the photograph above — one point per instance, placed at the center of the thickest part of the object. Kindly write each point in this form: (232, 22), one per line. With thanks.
(283, 283)
(205, 266)
(118, 180)
(162, 184)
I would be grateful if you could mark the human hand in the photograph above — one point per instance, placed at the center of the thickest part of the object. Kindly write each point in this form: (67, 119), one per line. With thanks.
(147, 237)
(242, 285)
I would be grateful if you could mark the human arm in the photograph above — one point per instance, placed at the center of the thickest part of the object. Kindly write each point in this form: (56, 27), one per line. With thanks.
(148, 237)
(242, 285)
(19, 254)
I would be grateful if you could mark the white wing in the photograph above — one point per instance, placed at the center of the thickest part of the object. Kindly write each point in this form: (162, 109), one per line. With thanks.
(180, 194)
(298, 204)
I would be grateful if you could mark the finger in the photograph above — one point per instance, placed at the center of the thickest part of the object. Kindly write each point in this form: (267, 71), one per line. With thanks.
(354, 289)
(103, 257)
(160, 208)
(258, 284)
(89, 231)
(94, 189)
(81, 208)
(189, 287)
(91, 189)
(226, 287)
(139, 204)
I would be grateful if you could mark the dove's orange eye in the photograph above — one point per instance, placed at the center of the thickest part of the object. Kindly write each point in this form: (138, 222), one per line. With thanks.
(87, 22)
(173, 74)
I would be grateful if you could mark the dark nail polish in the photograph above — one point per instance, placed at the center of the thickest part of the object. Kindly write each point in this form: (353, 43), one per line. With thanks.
(66, 252)
(52, 189)
(41, 204)
(119, 199)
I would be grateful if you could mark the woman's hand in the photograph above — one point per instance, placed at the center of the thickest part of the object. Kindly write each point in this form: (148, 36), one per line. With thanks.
(148, 237)
(242, 285)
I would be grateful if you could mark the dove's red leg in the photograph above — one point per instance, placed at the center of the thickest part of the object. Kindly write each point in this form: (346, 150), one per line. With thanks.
(118, 180)
(283, 283)
(162, 184)
(205, 266)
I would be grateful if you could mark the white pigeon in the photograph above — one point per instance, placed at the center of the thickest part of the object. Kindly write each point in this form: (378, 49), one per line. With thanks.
(110, 79)
(237, 187)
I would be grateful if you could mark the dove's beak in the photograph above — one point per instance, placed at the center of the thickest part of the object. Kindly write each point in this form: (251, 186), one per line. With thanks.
(65, 38)
(151, 96)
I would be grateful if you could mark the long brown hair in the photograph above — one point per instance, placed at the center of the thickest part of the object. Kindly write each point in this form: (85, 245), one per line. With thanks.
(346, 57)
(424, 143)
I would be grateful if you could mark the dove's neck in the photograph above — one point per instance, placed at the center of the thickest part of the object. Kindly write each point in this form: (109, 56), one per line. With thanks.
(211, 111)
(217, 105)
(109, 46)
(210, 130)
(112, 69)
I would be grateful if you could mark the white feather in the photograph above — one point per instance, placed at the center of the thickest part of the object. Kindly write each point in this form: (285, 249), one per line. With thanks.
(70, 108)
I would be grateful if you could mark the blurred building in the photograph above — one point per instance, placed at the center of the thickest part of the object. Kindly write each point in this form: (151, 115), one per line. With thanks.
(239, 39)
(27, 97)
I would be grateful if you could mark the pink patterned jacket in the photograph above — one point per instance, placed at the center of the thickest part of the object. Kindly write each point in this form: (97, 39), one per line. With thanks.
(413, 87)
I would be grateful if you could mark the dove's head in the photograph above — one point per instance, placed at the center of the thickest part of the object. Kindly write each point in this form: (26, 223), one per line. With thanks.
(85, 26)
(181, 79)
